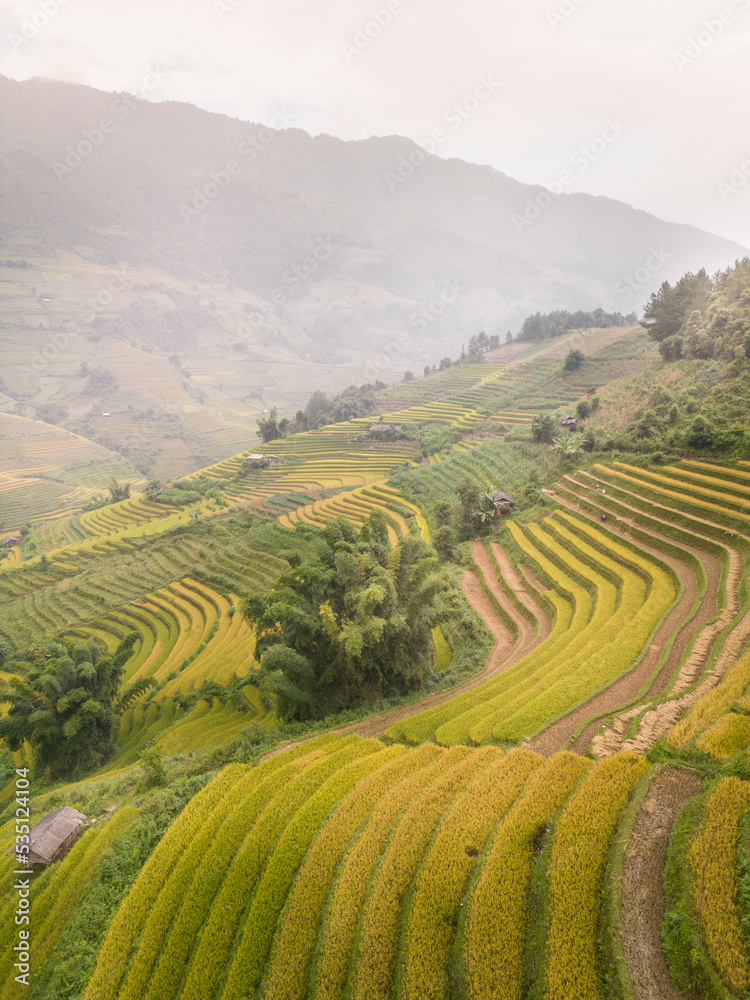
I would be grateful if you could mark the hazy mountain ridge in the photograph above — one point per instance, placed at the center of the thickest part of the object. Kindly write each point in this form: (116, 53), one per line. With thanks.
(201, 195)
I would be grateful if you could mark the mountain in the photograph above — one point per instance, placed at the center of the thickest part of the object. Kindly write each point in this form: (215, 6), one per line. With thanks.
(338, 242)
(206, 269)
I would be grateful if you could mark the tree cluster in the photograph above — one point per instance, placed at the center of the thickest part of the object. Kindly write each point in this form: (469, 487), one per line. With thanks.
(541, 326)
(64, 702)
(350, 624)
(701, 316)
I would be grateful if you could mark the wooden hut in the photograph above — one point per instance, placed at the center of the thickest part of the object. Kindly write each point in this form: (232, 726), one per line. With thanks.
(53, 835)
(569, 423)
(504, 502)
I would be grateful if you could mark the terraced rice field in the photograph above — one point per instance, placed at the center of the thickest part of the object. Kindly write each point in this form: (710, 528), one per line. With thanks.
(347, 868)
(355, 505)
(37, 602)
(607, 601)
(696, 515)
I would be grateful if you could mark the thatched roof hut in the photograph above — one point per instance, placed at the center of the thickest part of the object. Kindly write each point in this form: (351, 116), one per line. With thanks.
(503, 501)
(53, 835)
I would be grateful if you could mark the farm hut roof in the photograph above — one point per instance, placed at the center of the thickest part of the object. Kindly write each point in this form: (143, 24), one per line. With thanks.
(53, 833)
(10, 540)
(567, 421)
(255, 458)
(500, 497)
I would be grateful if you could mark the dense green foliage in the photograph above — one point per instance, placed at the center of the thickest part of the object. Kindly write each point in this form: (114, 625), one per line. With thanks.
(703, 317)
(544, 326)
(574, 360)
(64, 703)
(352, 622)
(354, 401)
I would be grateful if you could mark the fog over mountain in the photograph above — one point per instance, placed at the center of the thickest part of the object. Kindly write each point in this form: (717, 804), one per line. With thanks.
(340, 246)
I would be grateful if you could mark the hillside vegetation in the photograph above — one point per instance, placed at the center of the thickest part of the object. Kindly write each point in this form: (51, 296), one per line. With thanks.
(452, 705)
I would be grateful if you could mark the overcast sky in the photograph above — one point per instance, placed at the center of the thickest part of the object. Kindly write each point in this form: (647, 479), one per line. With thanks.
(641, 100)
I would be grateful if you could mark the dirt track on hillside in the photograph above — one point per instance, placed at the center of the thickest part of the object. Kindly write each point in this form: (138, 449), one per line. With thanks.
(643, 902)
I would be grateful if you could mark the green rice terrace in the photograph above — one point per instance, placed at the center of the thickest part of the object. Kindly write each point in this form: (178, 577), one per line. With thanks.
(441, 703)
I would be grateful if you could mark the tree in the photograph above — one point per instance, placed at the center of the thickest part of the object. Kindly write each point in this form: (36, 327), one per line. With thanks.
(444, 542)
(583, 410)
(153, 489)
(667, 310)
(486, 510)
(351, 623)
(117, 492)
(701, 434)
(65, 703)
(408, 376)
(490, 506)
(543, 428)
(268, 430)
(574, 360)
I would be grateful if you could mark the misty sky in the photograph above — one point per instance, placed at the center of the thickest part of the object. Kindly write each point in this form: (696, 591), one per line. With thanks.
(641, 100)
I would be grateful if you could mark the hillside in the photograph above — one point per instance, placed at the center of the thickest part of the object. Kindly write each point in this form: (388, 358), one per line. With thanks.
(302, 269)
(560, 811)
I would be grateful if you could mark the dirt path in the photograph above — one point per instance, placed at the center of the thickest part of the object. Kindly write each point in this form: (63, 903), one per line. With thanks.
(643, 903)
(526, 631)
(623, 690)
(510, 574)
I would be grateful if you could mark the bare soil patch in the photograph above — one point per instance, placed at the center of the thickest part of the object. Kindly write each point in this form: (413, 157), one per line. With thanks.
(643, 903)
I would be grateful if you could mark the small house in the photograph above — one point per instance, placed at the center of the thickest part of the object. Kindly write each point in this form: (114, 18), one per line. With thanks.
(9, 541)
(569, 423)
(504, 502)
(53, 835)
